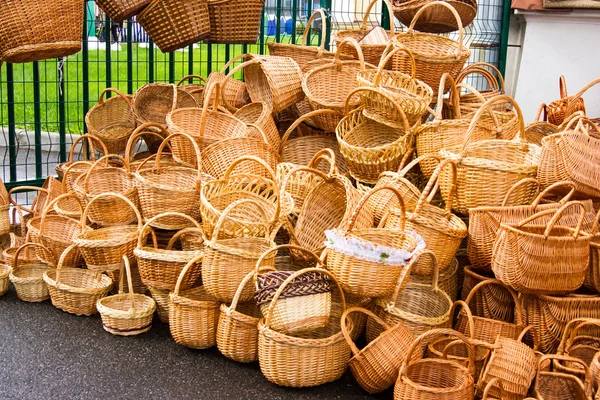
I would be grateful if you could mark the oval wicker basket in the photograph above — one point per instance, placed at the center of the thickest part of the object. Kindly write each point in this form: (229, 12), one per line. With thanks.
(27, 276)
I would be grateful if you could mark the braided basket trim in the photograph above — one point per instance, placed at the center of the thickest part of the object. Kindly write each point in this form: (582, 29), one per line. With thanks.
(303, 285)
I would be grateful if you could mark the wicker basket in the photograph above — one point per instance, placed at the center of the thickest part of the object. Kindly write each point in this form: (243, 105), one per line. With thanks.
(595, 370)
(361, 274)
(276, 81)
(87, 141)
(434, 55)
(234, 92)
(372, 52)
(303, 360)
(112, 120)
(161, 268)
(5, 270)
(26, 35)
(234, 21)
(237, 331)
(161, 298)
(154, 101)
(76, 290)
(328, 87)
(552, 385)
(136, 280)
(436, 20)
(120, 10)
(227, 261)
(447, 280)
(489, 168)
(543, 259)
(103, 249)
(302, 53)
(144, 158)
(27, 276)
(581, 339)
(174, 24)
(376, 366)
(539, 129)
(370, 147)
(195, 89)
(260, 114)
(560, 109)
(126, 314)
(216, 195)
(306, 304)
(166, 189)
(193, 314)
(433, 378)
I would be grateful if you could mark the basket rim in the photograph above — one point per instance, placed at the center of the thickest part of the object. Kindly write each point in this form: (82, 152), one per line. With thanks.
(77, 289)
(138, 313)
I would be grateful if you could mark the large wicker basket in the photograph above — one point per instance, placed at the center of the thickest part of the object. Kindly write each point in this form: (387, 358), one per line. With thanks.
(120, 10)
(234, 21)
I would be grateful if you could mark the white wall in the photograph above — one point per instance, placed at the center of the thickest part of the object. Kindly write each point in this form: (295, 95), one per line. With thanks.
(553, 44)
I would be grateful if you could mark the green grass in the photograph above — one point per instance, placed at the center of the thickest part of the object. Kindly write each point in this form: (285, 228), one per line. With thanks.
(97, 67)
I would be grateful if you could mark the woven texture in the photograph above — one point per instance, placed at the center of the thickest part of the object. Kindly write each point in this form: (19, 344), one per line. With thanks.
(195, 89)
(120, 10)
(153, 101)
(26, 276)
(552, 385)
(234, 21)
(436, 19)
(557, 110)
(260, 114)
(25, 33)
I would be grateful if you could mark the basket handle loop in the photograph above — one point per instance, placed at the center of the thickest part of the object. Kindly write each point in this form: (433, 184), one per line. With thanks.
(109, 195)
(431, 335)
(562, 86)
(261, 132)
(255, 60)
(480, 68)
(587, 385)
(388, 55)
(189, 77)
(494, 382)
(487, 107)
(406, 168)
(324, 154)
(432, 185)
(349, 41)
(382, 94)
(541, 110)
(68, 171)
(196, 150)
(344, 326)
(22, 189)
(86, 182)
(51, 207)
(47, 253)
(461, 33)
(363, 24)
(294, 171)
(235, 204)
(477, 94)
(557, 215)
(297, 123)
(148, 223)
(403, 280)
(274, 250)
(118, 92)
(513, 294)
(581, 93)
(320, 12)
(125, 269)
(89, 139)
(552, 187)
(529, 329)
(215, 88)
(454, 98)
(295, 275)
(180, 233)
(185, 270)
(61, 261)
(518, 185)
(465, 307)
(363, 202)
(144, 129)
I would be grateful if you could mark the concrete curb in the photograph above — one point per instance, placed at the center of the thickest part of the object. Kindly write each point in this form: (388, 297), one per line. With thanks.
(50, 141)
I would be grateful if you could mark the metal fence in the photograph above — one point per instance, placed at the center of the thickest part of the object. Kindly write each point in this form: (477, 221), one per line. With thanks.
(43, 104)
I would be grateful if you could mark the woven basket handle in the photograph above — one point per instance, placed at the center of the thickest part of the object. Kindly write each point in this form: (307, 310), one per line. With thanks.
(301, 119)
(587, 385)
(190, 77)
(242, 286)
(185, 231)
(324, 154)
(235, 204)
(432, 335)
(118, 92)
(541, 110)
(65, 179)
(494, 382)
(215, 90)
(454, 98)
(529, 329)
(402, 281)
(487, 107)
(482, 99)
(349, 41)
(513, 294)
(147, 226)
(86, 182)
(461, 33)
(320, 12)
(184, 272)
(294, 171)
(196, 150)
(347, 105)
(24, 189)
(467, 310)
(363, 25)
(388, 54)
(273, 251)
(295, 275)
(61, 262)
(125, 273)
(432, 185)
(518, 185)
(261, 133)
(231, 61)
(584, 89)
(557, 215)
(344, 326)
(144, 129)
(584, 124)
(50, 207)
(255, 60)
(562, 86)
(138, 216)
(363, 202)
(554, 186)
(48, 254)
(588, 322)
(572, 324)
(89, 140)
(479, 68)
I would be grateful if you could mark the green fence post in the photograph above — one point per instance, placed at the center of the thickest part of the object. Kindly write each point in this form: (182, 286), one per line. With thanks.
(150, 61)
(108, 57)
(385, 17)
(129, 56)
(12, 133)
(294, 16)
(37, 123)
(326, 4)
(85, 71)
(504, 36)
(62, 128)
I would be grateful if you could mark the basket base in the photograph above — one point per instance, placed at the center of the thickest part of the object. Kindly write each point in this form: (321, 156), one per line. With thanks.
(36, 52)
(29, 299)
(128, 332)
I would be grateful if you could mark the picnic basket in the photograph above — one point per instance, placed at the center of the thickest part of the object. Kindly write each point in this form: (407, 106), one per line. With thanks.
(27, 275)
(153, 101)
(434, 55)
(26, 35)
(76, 290)
(173, 24)
(307, 359)
(193, 314)
(538, 129)
(126, 314)
(234, 21)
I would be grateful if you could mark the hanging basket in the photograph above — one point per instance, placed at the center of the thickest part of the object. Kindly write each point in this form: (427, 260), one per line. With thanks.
(436, 20)
(27, 276)
(76, 290)
(193, 314)
(434, 55)
(26, 33)
(112, 120)
(235, 21)
(120, 10)
(154, 101)
(126, 314)
(174, 24)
